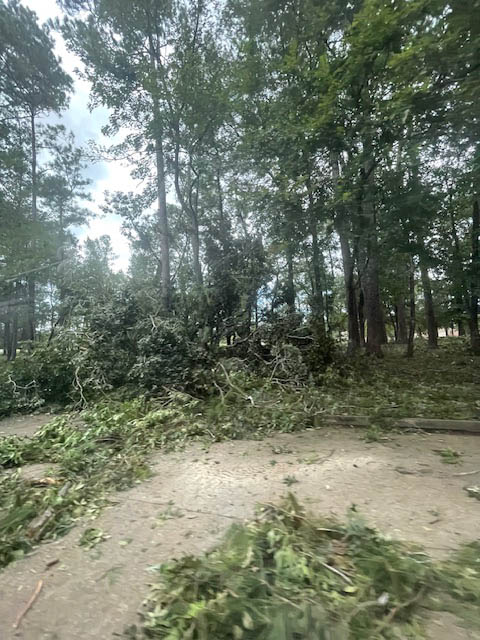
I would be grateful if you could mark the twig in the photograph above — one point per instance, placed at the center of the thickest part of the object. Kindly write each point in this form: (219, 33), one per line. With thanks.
(337, 572)
(197, 511)
(30, 603)
(78, 384)
(466, 473)
(234, 387)
(37, 527)
(325, 458)
(222, 395)
(389, 618)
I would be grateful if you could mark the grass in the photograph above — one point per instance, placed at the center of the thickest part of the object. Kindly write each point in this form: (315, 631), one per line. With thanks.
(286, 576)
(449, 456)
(441, 383)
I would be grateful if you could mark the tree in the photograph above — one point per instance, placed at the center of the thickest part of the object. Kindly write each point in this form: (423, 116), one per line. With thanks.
(32, 83)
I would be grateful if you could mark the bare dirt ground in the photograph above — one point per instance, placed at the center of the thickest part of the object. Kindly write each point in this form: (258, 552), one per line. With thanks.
(400, 485)
(23, 425)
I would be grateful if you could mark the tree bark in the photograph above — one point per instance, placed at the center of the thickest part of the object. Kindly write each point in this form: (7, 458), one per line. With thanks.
(361, 314)
(475, 279)
(411, 327)
(163, 222)
(348, 266)
(31, 285)
(290, 285)
(376, 333)
(402, 333)
(317, 304)
(432, 330)
(156, 64)
(11, 325)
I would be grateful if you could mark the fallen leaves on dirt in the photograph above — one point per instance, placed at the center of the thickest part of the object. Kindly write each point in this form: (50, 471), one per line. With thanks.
(286, 576)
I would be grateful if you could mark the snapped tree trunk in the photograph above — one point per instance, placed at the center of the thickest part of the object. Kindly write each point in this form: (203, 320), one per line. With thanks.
(475, 279)
(432, 330)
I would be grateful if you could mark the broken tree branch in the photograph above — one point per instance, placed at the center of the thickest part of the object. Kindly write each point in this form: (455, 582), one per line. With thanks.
(29, 604)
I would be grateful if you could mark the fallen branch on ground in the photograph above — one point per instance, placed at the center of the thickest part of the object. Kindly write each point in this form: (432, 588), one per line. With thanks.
(39, 524)
(29, 605)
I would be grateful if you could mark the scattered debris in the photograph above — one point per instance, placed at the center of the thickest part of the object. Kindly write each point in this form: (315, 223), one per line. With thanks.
(466, 473)
(287, 575)
(473, 492)
(51, 563)
(29, 604)
(91, 537)
(38, 526)
(449, 456)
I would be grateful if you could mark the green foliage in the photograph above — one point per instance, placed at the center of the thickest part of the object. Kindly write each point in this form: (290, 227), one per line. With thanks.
(49, 369)
(167, 356)
(438, 384)
(450, 456)
(285, 575)
(459, 585)
(12, 397)
(107, 446)
(288, 576)
(91, 537)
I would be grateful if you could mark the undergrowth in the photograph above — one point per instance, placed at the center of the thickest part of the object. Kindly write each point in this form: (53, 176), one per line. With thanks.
(286, 576)
(107, 446)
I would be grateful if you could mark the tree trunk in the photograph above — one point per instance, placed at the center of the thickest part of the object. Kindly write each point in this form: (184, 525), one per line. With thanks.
(432, 330)
(31, 285)
(12, 351)
(155, 62)
(6, 337)
(475, 279)
(376, 334)
(411, 327)
(361, 315)
(348, 268)
(163, 223)
(195, 240)
(354, 340)
(11, 328)
(460, 282)
(318, 307)
(290, 285)
(402, 333)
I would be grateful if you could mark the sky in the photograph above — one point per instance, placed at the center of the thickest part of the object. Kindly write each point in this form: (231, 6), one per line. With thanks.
(86, 125)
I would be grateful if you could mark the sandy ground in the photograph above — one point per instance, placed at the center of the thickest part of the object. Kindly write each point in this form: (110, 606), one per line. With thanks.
(23, 425)
(400, 485)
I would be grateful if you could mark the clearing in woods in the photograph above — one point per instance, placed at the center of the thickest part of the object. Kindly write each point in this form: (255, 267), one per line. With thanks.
(401, 484)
